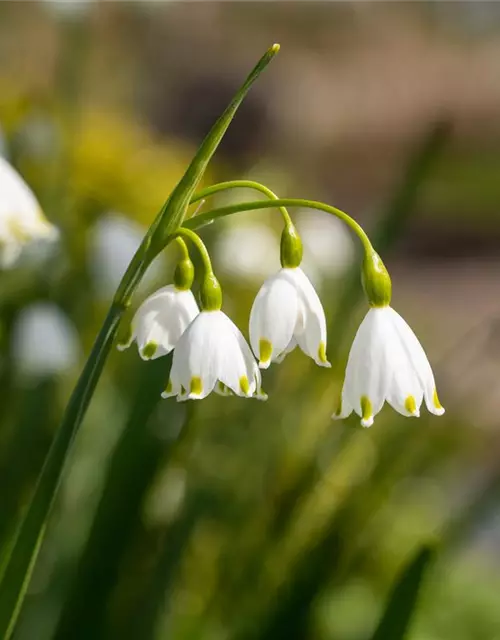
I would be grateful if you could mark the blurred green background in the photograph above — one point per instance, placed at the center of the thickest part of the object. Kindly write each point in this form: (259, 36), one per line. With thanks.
(232, 519)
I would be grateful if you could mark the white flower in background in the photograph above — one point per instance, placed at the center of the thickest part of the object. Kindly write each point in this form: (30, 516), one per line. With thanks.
(387, 363)
(21, 219)
(44, 341)
(114, 241)
(212, 354)
(246, 250)
(161, 320)
(328, 245)
(287, 312)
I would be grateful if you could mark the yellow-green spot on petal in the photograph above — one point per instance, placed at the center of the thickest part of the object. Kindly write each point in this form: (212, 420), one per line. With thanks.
(411, 405)
(322, 352)
(196, 386)
(149, 350)
(435, 401)
(168, 388)
(125, 340)
(366, 411)
(244, 385)
(265, 350)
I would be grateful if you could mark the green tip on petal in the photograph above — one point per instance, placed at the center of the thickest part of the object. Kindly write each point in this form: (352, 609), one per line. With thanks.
(244, 385)
(224, 389)
(366, 412)
(411, 406)
(323, 360)
(125, 341)
(196, 387)
(261, 395)
(149, 350)
(337, 415)
(437, 405)
(265, 353)
(168, 390)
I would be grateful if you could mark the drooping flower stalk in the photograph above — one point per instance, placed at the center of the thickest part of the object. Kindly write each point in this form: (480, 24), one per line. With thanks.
(386, 361)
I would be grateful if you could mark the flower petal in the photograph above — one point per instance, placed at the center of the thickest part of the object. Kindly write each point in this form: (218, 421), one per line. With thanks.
(291, 346)
(416, 355)
(273, 318)
(236, 364)
(161, 320)
(368, 373)
(311, 337)
(194, 364)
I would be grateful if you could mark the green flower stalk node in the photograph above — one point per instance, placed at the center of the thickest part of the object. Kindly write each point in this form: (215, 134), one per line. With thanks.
(210, 293)
(376, 280)
(290, 247)
(184, 275)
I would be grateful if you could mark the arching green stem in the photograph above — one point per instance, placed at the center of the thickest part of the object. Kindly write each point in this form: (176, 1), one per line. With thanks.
(210, 290)
(198, 243)
(241, 184)
(183, 248)
(210, 216)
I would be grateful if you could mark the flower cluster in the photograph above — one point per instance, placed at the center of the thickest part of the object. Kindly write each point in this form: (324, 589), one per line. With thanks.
(21, 219)
(386, 362)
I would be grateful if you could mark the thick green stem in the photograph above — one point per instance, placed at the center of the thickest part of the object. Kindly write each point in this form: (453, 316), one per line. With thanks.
(183, 248)
(241, 184)
(210, 216)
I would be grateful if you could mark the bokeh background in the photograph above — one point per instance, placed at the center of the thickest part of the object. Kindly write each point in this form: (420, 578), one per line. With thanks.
(234, 519)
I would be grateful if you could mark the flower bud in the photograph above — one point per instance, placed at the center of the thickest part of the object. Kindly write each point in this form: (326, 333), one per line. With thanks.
(376, 281)
(290, 247)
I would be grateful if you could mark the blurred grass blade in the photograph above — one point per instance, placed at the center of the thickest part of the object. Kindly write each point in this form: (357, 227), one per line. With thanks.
(402, 602)
(18, 569)
(287, 613)
(134, 464)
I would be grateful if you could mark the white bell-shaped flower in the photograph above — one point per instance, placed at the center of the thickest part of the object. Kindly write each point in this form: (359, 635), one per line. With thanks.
(160, 321)
(212, 354)
(387, 363)
(287, 312)
(21, 219)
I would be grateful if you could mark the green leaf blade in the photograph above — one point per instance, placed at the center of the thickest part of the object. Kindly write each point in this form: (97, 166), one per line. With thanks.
(402, 602)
